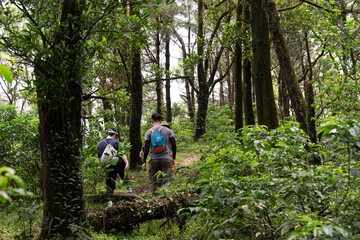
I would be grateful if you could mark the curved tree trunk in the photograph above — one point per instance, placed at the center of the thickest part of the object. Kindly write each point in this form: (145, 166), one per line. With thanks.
(265, 100)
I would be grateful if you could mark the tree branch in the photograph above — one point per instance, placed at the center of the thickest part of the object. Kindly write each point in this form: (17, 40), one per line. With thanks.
(317, 6)
(222, 77)
(289, 8)
(27, 14)
(97, 20)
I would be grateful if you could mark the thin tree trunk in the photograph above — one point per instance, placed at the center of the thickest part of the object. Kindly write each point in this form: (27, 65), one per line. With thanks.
(203, 95)
(221, 90)
(309, 96)
(283, 54)
(265, 100)
(248, 103)
(58, 79)
(283, 97)
(230, 85)
(159, 94)
(238, 72)
(167, 69)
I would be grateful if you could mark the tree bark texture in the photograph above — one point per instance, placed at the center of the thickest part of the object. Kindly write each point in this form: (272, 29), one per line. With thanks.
(309, 96)
(238, 71)
(58, 79)
(230, 85)
(126, 216)
(247, 95)
(203, 94)
(283, 54)
(284, 99)
(159, 91)
(167, 69)
(136, 102)
(265, 100)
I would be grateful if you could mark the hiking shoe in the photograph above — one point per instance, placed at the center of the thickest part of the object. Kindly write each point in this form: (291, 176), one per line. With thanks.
(128, 189)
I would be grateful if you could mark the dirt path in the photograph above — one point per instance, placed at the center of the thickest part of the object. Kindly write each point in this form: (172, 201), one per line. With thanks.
(182, 163)
(187, 161)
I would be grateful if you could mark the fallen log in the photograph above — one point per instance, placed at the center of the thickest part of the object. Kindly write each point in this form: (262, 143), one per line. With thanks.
(125, 215)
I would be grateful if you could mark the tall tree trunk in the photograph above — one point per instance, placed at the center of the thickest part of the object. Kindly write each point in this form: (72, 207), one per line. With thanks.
(159, 92)
(167, 69)
(283, 96)
(221, 94)
(309, 96)
(221, 90)
(265, 100)
(248, 103)
(58, 81)
(136, 102)
(283, 54)
(238, 71)
(192, 91)
(203, 95)
(230, 85)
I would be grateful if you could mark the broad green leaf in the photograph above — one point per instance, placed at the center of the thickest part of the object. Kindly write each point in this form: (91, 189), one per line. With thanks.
(354, 131)
(285, 229)
(5, 72)
(341, 231)
(3, 181)
(328, 230)
(4, 197)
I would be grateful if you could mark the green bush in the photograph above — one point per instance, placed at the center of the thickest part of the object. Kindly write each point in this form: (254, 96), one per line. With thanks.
(20, 148)
(262, 185)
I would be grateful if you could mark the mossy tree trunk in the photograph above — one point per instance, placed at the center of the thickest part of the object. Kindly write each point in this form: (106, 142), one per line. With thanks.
(265, 100)
(203, 93)
(247, 95)
(58, 77)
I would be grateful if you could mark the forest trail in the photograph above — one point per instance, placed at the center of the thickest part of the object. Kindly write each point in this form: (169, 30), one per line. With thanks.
(145, 189)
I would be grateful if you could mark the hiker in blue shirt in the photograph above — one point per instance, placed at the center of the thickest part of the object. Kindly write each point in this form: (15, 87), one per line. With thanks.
(119, 167)
(158, 140)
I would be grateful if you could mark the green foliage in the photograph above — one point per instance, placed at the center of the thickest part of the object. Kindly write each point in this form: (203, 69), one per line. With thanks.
(5, 72)
(11, 185)
(218, 123)
(262, 185)
(20, 148)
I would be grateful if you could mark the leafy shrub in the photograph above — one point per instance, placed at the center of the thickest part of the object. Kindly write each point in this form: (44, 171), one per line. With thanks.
(262, 186)
(20, 148)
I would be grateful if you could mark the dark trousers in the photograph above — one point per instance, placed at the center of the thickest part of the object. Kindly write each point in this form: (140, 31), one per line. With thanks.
(156, 165)
(111, 173)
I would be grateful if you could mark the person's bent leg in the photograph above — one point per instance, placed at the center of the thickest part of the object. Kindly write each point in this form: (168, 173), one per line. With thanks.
(166, 168)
